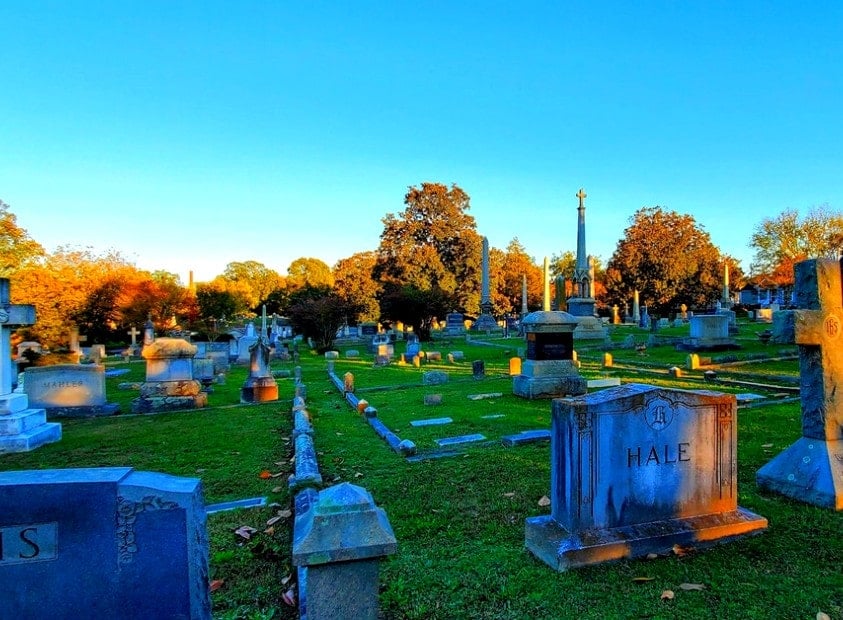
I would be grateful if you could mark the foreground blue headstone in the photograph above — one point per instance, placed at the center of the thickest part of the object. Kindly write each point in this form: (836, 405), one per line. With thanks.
(102, 543)
(637, 469)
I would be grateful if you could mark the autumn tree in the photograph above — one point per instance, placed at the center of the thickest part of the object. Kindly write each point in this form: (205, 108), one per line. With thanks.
(17, 249)
(254, 281)
(318, 313)
(415, 307)
(432, 246)
(309, 273)
(507, 270)
(353, 282)
(668, 258)
(782, 241)
(565, 263)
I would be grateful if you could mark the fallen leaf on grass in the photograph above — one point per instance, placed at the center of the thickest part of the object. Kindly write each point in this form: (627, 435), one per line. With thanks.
(265, 474)
(680, 551)
(691, 586)
(358, 475)
(339, 434)
(245, 531)
(269, 531)
(285, 514)
(667, 595)
(642, 579)
(216, 584)
(286, 580)
(544, 501)
(277, 489)
(652, 556)
(289, 597)
(821, 615)
(273, 520)
(280, 473)
(510, 494)
(766, 445)
(200, 471)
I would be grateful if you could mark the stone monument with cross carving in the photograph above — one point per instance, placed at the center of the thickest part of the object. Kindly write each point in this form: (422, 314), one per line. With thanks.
(260, 386)
(21, 429)
(811, 469)
(581, 305)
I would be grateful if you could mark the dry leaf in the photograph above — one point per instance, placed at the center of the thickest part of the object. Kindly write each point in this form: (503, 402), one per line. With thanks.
(680, 551)
(667, 595)
(652, 556)
(273, 520)
(277, 489)
(544, 501)
(510, 494)
(339, 434)
(286, 580)
(289, 597)
(766, 445)
(200, 470)
(265, 474)
(285, 514)
(269, 531)
(216, 584)
(642, 579)
(823, 616)
(245, 531)
(358, 475)
(691, 586)
(279, 474)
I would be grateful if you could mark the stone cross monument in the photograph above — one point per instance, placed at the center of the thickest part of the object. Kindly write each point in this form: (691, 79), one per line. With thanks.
(581, 274)
(811, 470)
(21, 429)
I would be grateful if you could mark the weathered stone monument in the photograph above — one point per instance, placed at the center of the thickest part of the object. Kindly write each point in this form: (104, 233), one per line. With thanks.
(260, 386)
(637, 469)
(68, 390)
(454, 323)
(811, 470)
(102, 543)
(549, 370)
(709, 332)
(485, 322)
(21, 428)
(581, 305)
(245, 344)
(169, 378)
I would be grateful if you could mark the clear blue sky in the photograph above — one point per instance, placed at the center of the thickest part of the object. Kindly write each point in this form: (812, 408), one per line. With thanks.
(192, 134)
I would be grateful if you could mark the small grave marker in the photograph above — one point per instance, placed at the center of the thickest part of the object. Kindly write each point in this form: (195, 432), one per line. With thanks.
(431, 422)
(451, 441)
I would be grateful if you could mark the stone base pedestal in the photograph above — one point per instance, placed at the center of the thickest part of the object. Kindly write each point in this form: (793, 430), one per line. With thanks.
(485, 323)
(707, 344)
(87, 411)
(548, 379)
(590, 328)
(156, 404)
(259, 390)
(555, 546)
(23, 429)
(810, 471)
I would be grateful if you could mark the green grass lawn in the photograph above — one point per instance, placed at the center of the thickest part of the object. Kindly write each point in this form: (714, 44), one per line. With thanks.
(459, 521)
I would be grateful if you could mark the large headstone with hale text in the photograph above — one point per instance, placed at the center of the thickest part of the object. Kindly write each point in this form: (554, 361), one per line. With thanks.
(811, 470)
(102, 543)
(637, 469)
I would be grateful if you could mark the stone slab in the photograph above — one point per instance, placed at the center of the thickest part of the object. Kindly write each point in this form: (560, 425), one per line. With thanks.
(494, 416)
(594, 384)
(105, 542)
(431, 422)
(252, 502)
(451, 441)
(809, 470)
(525, 437)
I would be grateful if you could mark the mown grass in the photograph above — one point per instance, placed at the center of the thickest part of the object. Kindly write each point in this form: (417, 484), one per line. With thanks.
(459, 521)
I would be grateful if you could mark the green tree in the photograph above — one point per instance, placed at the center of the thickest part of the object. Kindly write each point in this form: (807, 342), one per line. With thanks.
(317, 313)
(782, 241)
(309, 273)
(17, 249)
(255, 280)
(353, 282)
(669, 258)
(432, 245)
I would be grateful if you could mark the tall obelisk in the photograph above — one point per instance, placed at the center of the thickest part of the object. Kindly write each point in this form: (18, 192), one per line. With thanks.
(485, 322)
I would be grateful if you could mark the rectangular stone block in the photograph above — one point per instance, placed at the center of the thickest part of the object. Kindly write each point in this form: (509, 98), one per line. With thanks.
(450, 441)
(65, 385)
(102, 543)
(431, 422)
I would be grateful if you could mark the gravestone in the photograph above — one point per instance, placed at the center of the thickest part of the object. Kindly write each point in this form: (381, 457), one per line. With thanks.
(260, 386)
(102, 543)
(413, 346)
(478, 369)
(29, 345)
(245, 344)
(169, 378)
(434, 377)
(549, 370)
(811, 470)
(454, 323)
(21, 428)
(485, 322)
(98, 353)
(637, 469)
(709, 332)
(68, 390)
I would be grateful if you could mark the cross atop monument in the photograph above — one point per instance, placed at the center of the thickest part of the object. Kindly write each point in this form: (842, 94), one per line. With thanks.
(134, 334)
(582, 196)
(819, 334)
(12, 316)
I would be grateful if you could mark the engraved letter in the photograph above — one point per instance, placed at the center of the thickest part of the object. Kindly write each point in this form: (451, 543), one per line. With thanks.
(653, 456)
(636, 457)
(667, 455)
(683, 452)
(31, 543)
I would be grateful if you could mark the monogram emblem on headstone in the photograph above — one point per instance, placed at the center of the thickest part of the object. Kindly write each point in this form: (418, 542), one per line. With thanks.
(658, 416)
(832, 326)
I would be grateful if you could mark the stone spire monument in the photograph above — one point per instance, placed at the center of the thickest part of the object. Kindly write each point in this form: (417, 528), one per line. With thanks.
(581, 305)
(485, 322)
